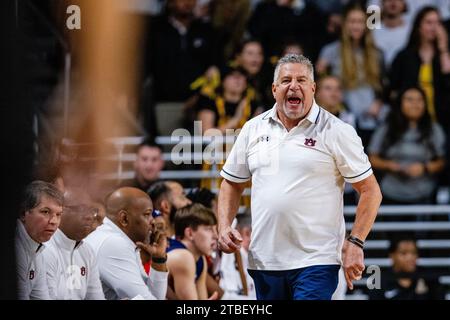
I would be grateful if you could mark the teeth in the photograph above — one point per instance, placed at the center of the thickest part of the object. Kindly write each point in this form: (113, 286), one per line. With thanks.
(294, 100)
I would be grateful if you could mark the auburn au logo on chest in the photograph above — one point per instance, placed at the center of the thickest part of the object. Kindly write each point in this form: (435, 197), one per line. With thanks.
(310, 142)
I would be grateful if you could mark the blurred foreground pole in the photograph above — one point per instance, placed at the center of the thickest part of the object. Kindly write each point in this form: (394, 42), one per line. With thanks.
(108, 50)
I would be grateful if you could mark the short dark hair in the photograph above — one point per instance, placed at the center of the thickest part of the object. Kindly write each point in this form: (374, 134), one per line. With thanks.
(149, 142)
(395, 241)
(158, 191)
(203, 196)
(33, 193)
(244, 220)
(193, 215)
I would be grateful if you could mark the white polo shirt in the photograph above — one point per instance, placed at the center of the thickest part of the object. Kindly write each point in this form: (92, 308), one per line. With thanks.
(72, 272)
(297, 186)
(30, 266)
(121, 271)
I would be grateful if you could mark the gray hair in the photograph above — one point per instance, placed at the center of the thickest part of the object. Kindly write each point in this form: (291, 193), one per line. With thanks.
(35, 190)
(294, 58)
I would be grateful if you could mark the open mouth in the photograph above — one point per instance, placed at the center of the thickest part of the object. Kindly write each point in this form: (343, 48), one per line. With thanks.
(294, 100)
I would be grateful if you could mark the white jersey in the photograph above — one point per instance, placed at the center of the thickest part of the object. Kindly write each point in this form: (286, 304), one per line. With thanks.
(72, 272)
(298, 181)
(230, 278)
(121, 271)
(30, 266)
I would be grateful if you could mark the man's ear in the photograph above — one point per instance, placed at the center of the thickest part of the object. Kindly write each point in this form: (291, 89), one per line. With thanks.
(314, 87)
(165, 206)
(123, 218)
(161, 162)
(188, 233)
(274, 90)
(22, 216)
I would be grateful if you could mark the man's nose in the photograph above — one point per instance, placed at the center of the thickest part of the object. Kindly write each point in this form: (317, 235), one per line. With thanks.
(54, 219)
(89, 217)
(294, 85)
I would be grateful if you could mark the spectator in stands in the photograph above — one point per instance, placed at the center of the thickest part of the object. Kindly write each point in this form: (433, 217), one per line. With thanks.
(272, 22)
(128, 226)
(181, 48)
(393, 34)
(232, 105)
(39, 219)
(147, 166)
(235, 280)
(72, 271)
(329, 95)
(414, 6)
(408, 150)
(425, 62)
(290, 46)
(249, 56)
(230, 17)
(195, 229)
(356, 60)
(332, 9)
(405, 281)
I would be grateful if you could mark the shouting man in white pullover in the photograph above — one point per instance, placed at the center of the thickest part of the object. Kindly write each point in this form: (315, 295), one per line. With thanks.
(72, 272)
(126, 229)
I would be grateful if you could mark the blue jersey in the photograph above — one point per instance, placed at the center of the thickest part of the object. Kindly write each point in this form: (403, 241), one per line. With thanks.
(175, 244)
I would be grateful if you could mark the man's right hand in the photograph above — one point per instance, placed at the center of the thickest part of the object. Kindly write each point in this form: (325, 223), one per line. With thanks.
(229, 240)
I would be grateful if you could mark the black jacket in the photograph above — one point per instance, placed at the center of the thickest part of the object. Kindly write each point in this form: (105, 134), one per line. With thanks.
(404, 73)
(176, 60)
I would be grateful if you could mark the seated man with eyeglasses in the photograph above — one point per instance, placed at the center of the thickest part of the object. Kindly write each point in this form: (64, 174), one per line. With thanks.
(72, 272)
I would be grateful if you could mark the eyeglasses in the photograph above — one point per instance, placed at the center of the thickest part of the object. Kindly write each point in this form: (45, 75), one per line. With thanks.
(84, 209)
(156, 213)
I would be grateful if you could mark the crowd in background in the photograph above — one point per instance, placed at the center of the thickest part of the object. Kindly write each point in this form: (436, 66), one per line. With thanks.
(391, 83)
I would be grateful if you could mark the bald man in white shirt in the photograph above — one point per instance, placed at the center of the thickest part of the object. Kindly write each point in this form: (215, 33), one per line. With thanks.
(125, 231)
